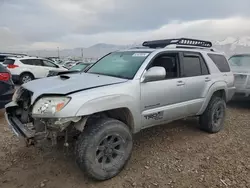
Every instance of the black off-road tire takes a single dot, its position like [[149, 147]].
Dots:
[[91, 143], [207, 118], [25, 75]]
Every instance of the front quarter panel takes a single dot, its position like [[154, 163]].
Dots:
[[87, 102]]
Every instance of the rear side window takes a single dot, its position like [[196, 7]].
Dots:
[[27, 61], [194, 65], [9, 62], [36, 62], [220, 61]]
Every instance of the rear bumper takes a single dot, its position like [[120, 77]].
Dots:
[[242, 92]]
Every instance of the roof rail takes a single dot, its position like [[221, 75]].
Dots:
[[180, 41]]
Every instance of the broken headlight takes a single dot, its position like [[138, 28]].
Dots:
[[50, 105]]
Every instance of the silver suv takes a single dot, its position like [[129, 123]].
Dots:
[[122, 93], [240, 65]]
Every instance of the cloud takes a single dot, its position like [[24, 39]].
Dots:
[[45, 24]]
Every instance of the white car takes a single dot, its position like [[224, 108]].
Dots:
[[25, 69]]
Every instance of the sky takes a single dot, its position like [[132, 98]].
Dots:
[[48, 24]]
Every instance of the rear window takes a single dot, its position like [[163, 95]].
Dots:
[[9, 62], [239, 61], [220, 61]]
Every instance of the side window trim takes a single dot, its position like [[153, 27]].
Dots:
[[166, 53]]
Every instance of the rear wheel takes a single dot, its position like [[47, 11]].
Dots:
[[212, 120], [104, 148], [26, 77]]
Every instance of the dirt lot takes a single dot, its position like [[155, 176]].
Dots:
[[175, 155]]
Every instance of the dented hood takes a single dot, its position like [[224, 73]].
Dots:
[[69, 83]]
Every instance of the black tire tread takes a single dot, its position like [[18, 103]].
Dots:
[[83, 141], [205, 119]]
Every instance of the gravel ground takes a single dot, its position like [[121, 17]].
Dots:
[[174, 155]]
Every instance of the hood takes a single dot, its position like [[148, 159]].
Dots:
[[69, 83]]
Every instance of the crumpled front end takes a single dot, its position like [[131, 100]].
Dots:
[[34, 130]]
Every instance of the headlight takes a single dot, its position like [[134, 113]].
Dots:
[[50, 105]]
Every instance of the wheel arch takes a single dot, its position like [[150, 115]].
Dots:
[[122, 114], [27, 72], [218, 89]]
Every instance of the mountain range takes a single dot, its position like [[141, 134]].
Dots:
[[230, 45]]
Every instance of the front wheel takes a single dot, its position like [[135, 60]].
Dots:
[[212, 120], [104, 148]]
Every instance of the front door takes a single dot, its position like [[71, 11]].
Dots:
[[160, 100]]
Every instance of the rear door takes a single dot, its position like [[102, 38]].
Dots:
[[196, 80], [35, 66]]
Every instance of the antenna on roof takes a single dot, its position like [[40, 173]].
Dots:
[[180, 41]]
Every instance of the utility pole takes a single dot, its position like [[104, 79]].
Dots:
[[82, 53], [58, 53]]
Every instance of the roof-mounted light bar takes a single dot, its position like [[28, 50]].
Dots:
[[180, 41]]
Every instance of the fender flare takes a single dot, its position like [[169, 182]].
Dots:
[[217, 86]]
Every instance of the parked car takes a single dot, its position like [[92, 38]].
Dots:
[[121, 94], [25, 69], [3, 56], [7, 86], [240, 65], [69, 64], [80, 67]]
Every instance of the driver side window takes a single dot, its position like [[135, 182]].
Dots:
[[170, 62]]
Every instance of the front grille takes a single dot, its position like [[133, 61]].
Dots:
[[240, 79]]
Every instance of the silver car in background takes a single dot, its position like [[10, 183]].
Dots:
[[240, 66]]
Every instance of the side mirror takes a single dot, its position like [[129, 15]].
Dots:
[[154, 74]]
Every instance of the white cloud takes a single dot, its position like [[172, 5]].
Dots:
[[46, 24]]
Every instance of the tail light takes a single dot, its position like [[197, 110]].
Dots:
[[12, 66], [4, 76]]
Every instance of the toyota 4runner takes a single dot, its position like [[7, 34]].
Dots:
[[122, 93]]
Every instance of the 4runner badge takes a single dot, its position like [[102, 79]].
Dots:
[[155, 116]]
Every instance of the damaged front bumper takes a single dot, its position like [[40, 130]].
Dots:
[[39, 129]]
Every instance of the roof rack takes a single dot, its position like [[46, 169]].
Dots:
[[181, 41]]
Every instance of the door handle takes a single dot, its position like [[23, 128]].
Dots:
[[207, 79], [180, 83]]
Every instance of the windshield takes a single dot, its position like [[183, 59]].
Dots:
[[240, 61], [120, 64], [79, 67]]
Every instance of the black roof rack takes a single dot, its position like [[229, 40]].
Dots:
[[180, 41]]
